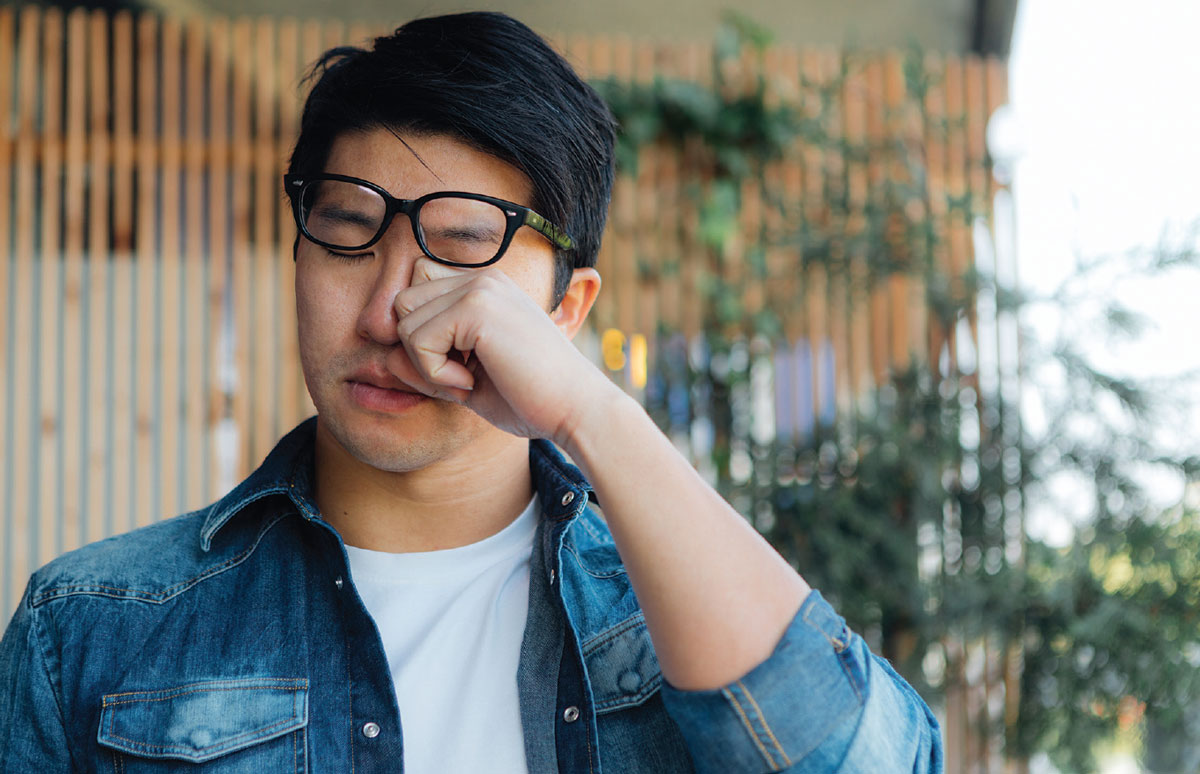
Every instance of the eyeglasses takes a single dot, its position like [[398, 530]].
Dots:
[[451, 227]]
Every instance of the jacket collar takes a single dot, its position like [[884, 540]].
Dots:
[[288, 471]]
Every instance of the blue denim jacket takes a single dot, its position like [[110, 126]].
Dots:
[[233, 638]]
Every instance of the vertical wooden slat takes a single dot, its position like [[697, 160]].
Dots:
[[957, 232], [898, 284], [219, 197], [241, 180], [625, 207], [197, 330], [173, 337], [934, 111], [975, 120], [48, 341], [75, 392], [957, 723], [696, 58], [835, 374], [816, 215], [24, 487], [99, 364], [146, 464], [121, 453], [264, 334], [291, 382], [855, 98], [647, 251], [785, 258], [10, 585], [916, 212], [669, 289], [876, 196]]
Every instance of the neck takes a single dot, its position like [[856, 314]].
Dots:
[[453, 502]]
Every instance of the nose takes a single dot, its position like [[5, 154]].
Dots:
[[395, 254]]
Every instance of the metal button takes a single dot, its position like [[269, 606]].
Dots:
[[568, 498], [338, 582], [370, 730], [571, 714], [552, 576]]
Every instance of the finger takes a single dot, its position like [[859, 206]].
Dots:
[[430, 344], [426, 269], [414, 297], [411, 321], [400, 365]]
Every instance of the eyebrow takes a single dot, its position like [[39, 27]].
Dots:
[[331, 212], [465, 233]]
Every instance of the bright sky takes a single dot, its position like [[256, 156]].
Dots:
[[1105, 121]]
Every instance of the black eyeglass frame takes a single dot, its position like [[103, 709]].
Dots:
[[515, 216]]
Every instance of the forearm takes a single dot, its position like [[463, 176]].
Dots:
[[716, 596]]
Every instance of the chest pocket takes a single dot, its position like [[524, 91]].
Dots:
[[244, 726]]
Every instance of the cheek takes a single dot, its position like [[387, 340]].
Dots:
[[321, 313], [535, 276]]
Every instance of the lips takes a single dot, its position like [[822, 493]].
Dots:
[[381, 378], [379, 391]]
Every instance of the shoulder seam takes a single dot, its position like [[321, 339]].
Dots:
[[141, 595]]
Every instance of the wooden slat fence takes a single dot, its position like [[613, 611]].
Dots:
[[147, 336]]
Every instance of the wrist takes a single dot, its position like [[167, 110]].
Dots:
[[599, 411]]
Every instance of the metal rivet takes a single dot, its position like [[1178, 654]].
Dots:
[[571, 714], [338, 582], [552, 576], [568, 498], [370, 730]]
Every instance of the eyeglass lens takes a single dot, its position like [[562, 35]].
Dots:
[[348, 216]]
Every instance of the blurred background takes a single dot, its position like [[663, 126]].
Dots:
[[912, 283]]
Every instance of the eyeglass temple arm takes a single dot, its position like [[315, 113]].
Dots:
[[549, 230]]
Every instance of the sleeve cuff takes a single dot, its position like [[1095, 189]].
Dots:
[[813, 685]]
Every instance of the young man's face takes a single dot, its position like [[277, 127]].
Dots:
[[347, 323]]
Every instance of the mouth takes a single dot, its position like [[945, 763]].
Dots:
[[379, 391]]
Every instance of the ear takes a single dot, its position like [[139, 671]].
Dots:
[[581, 294]]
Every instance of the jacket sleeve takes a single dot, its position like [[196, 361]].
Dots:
[[32, 735], [821, 703]]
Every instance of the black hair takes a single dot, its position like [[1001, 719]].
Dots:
[[487, 80]]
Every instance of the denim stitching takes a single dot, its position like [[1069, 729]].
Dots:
[[749, 726], [167, 593], [44, 650], [602, 576], [349, 693], [252, 682], [172, 694], [222, 743], [766, 727], [613, 632], [591, 530], [207, 533]]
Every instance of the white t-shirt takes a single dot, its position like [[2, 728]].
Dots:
[[452, 623]]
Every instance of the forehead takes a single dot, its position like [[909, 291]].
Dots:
[[412, 165]]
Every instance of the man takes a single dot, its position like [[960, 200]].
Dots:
[[409, 583]]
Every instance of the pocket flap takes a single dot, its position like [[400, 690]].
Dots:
[[201, 721], [622, 668]]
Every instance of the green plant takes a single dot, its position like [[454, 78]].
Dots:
[[909, 510]]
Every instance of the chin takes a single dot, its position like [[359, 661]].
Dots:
[[401, 444]]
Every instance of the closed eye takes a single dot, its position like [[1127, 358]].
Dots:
[[472, 234], [339, 215]]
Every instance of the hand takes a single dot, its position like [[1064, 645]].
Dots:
[[520, 371]]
